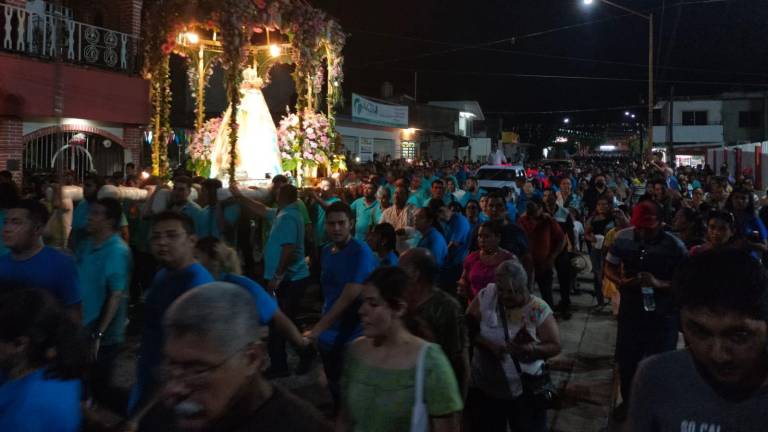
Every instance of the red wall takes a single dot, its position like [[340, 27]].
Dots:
[[27, 90]]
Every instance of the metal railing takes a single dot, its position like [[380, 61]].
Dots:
[[57, 151], [48, 36]]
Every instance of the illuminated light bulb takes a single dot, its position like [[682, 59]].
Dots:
[[275, 50], [193, 38]]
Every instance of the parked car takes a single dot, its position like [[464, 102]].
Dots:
[[495, 177]]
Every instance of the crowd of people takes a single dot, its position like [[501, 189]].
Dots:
[[438, 302]]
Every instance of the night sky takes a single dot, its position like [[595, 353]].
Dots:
[[711, 41]]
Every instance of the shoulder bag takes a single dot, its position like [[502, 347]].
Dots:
[[419, 414], [538, 388]]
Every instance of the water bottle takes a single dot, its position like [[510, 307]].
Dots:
[[649, 302]]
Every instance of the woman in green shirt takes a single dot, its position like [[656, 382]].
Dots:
[[379, 378]]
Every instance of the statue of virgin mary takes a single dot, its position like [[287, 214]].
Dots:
[[258, 156]]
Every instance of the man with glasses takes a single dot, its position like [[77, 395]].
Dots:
[[173, 244], [211, 374]]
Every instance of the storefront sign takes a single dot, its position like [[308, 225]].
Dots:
[[369, 111]]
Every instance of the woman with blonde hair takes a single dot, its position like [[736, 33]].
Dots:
[[224, 265]]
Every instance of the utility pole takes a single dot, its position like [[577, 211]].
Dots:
[[416, 86], [670, 126]]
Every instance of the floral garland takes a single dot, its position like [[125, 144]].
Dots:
[[305, 140], [193, 78], [160, 96], [200, 148], [317, 40]]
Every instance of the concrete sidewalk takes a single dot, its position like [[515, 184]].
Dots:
[[584, 371]]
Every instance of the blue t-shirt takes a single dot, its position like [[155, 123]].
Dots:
[[366, 216], [435, 242], [166, 287], [35, 403], [416, 199], [457, 231], [511, 211], [352, 264], [320, 235], [464, 199], [208, 223], [79, 223], [265, 303], [49, 270], [103, 270], [390, 260], [287, 229]]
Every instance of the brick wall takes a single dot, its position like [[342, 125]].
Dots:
[[133, 137], [11, 144], [130, 16]]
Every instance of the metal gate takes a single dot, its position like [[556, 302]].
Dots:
[[80, 152]]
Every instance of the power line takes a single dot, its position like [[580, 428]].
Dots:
[[569, 58], [513, 39], [462, 47], [578, 77], [578, 110]]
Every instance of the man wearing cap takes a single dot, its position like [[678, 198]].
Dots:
[[641, 262]]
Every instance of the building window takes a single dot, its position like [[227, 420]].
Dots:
[[408, 150], [750, 119], [694, 118]]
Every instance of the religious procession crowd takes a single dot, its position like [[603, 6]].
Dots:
[[438, 311]]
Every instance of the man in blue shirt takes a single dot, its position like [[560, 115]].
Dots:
[[438, 194], [173, 244], [416, 198], [79, 232], [346, 263], [382, 241], [285, 270], [471, 192], [217, 218], [424, 221], [456, 231], [323, 200], [80, 215], [179, 202], [367, 211], [34, 265], [104, 265]]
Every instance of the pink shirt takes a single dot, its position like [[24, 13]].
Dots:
[[480, 274]]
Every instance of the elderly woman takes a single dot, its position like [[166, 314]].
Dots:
[[508, 326], [379, 382], [42, 359]]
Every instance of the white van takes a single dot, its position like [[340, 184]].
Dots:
[[495, 177]]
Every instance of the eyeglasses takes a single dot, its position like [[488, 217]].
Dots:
[[193, 376]]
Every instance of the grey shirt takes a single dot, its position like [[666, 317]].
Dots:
[[669, 395]]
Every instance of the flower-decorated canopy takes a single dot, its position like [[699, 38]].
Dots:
[[315, 39]]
